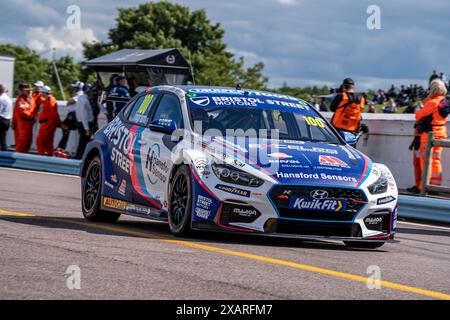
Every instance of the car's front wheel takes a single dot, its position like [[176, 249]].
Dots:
[[180, 202], [91, 194], [363, 245]]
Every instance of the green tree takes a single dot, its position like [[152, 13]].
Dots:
[[166, 25], [29, 66]]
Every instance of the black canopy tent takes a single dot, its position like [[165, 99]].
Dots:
[[147, 67]]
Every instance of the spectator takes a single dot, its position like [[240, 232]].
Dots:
[[48, 122], [85, 121], [380, 97], [24, 117], [393, 92], [323, 106], [120, 91], [5, 116], [37, 96], [70, 122], [433, 76], [110, 104], [347, 107], [133, 86], [94, 98], [442, 76], [371, 108], [433, 118], [391, 106]]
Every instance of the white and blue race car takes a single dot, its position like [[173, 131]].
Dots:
[[236, 160]]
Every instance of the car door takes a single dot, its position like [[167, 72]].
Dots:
[[127, 127], [155, 156]]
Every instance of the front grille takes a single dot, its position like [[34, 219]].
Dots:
[[324, 229], [355, 201]]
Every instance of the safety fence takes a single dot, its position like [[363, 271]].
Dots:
[[39, 163], [426, 174], [414, 207]]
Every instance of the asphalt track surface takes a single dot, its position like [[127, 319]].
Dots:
[[42, 233]]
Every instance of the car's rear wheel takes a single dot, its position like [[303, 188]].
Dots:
[[91, 194], [180, 202], [363, 245]]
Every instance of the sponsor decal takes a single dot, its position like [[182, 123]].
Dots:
[[279, 155], [122, 141], [201, 101], [114, 203], [314, 176], [233, 190], [202, 167], [170, 59], [204, 202], [375, 222], [294, 146], [385, 200], [121, 160], [285, 162], [231, 97], [156, 169], [319, 194], [202, 208], [123, 188], [314, 122], [109, 185], [245, 213], [202, 213], [332, 161], [317, 204], [140, 210]]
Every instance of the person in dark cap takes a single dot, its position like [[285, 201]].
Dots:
[[24, 117], [119, 91], [347, 107]]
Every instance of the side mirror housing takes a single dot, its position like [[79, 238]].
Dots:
[[348, 137], [166, 126]]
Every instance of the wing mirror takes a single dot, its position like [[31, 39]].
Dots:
[[348, 137], [166, 126]]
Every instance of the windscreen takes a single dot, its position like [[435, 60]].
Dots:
[[258, 114]]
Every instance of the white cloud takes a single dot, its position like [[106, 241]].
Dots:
[[64, 40], [288, 2]]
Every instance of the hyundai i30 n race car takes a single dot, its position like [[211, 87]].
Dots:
[[244, 161]]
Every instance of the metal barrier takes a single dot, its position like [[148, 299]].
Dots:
[[39, 163], [431, 209], [426, 166]]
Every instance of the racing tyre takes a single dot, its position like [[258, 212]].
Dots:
[[363, 245], [91, 194], [180, 203]]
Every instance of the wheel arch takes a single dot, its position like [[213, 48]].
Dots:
[[87, 160]]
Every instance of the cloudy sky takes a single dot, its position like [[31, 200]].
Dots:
[[301, 42]]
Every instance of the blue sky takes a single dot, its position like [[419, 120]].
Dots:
[[301, 42]]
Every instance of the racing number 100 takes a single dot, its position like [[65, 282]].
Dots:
[[315, 122]]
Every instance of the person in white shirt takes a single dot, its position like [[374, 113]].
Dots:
[[85, 120], [6, 112]]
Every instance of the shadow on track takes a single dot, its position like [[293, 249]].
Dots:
[[425, 232], [161, 229]]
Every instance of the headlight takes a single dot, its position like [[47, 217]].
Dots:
[[230, 174], [379, 186]]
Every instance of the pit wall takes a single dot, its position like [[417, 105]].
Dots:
[[388, 141]]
